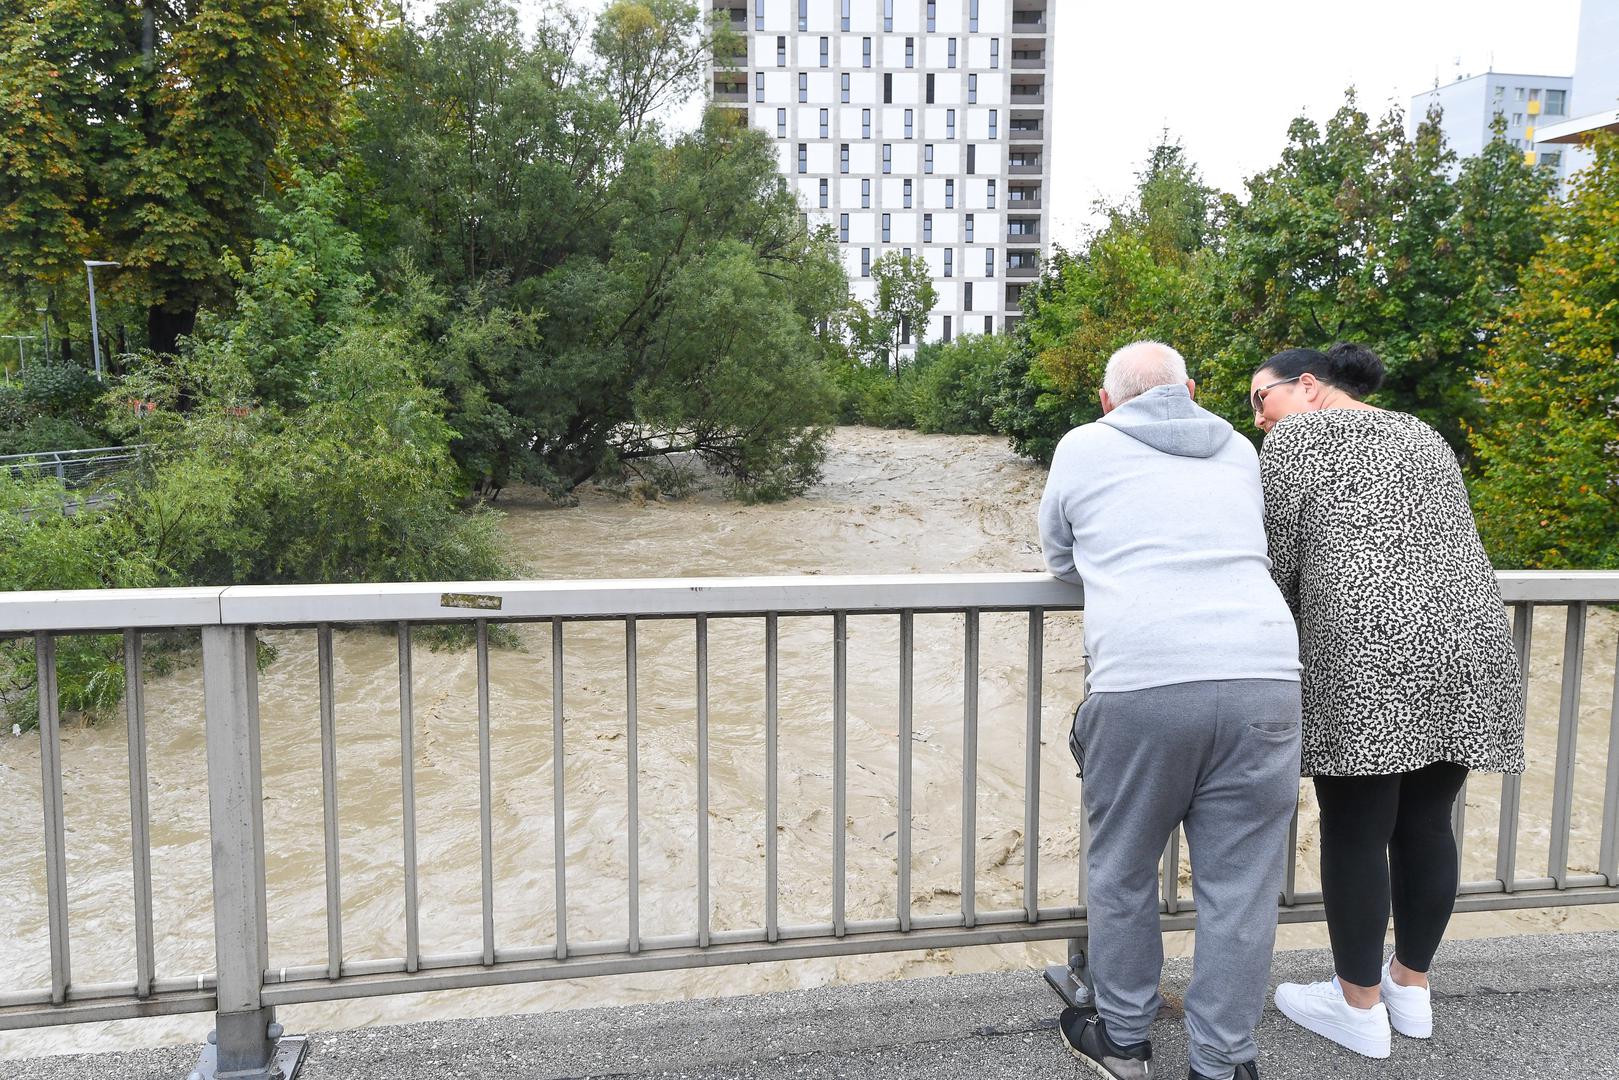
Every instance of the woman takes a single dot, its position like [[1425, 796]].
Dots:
[[1409, 682]]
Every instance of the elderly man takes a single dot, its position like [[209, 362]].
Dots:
[[1192, 714]]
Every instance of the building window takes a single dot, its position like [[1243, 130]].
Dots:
[[994, 123], [1518, 93], [758, 86], [888, 15], [989, 324], [907, 199], [888, 158], [803, 87], [1556, 102], [846, 14], [845, 90], [843, 159], [826, 123], [927, 228], [781, 123], [865, 123], [947, 318], [972, 17], [1552, 161], [933, 15], [910, 52], [1517, 119], [927, 158], [758, 14], [865, 51], [904, 330], [969, 227], [888, 88], [991, 202], [950, 123], [888, 227], [843, 228], [910, 118], [825, 184], [930, 88], [803, 157], [994, 52], [1500, 93], [803, 14], [972, 89], [950, 53], [949, 194], [865, 262], [865, 193], [781, 50], [826, 52], [989, 262], [972, 158], [967, 296]]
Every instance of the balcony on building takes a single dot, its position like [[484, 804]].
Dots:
[[1028, 16], [728, 89], [738, 15], [1031, 56], [1026, 127], [1023, 263], [1028, 90], [1025, 163], [1023, 230], [1023, 197]]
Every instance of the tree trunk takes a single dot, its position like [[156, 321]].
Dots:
[[165, 327]]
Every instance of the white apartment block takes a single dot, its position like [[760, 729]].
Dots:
[[919, 126], [1470, 105]]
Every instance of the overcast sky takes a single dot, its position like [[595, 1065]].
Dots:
[[1225, 77]]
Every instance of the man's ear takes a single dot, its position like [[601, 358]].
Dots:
[[1107, 402], [1191, 388]]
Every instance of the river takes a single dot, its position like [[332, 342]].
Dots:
[[890, 502]]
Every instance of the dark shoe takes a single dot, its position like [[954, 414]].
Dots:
[[1085, 1032], [1245, 1071]]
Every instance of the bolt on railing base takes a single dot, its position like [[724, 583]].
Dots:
[[286, 1054], [1072, 980]]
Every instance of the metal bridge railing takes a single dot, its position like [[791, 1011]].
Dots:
[[74, 468], [244, 990]]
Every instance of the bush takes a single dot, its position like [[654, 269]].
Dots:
[[872, 395], [954, 384]]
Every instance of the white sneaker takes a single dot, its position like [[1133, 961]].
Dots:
[[1410, 1007], [1321, 1008]]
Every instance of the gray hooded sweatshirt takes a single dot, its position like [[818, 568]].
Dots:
[[1156, 508]]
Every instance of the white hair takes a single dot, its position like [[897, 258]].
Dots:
[[1140, 366]]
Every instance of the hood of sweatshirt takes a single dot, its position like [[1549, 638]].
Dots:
[[1168, 420]]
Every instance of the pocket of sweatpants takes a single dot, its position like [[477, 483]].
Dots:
[[1076, 747]]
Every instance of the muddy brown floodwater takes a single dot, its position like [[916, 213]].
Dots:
[[891, 503]]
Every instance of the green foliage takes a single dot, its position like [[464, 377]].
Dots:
[[954, 384], [1547, 494]]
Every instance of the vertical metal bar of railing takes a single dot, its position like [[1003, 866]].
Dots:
[[702, 782], [1031, 768], [1506, 840], [559, 821], [140, 813], [486, 825], [1568, 728], [772, 794], [50, 768], [407, 800], [244, 1036], [328, 788], [907, 678], [1608, 860], [632, 778], [969, 771], [840, 768], [1171, 873]]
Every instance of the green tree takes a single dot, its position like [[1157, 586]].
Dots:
[[955, 384], [904, 299], [1547, 494]]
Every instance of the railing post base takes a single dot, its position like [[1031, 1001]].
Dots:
[[250, 1046], [1072, 980]]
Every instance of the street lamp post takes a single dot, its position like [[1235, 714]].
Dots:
[[95, 330], [45, 328], [22, 362]]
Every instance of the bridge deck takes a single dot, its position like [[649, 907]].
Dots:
[[1524, 1007]]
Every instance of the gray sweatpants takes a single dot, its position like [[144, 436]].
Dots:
[[1222, 757]]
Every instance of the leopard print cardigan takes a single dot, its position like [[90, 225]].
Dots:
[[1407, 653]]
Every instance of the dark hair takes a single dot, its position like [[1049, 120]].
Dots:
[[1354, 369]]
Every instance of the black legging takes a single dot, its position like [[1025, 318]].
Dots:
[[1388, 838]]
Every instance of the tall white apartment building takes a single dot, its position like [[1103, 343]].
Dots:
[[919, 126], [1471, 105]]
